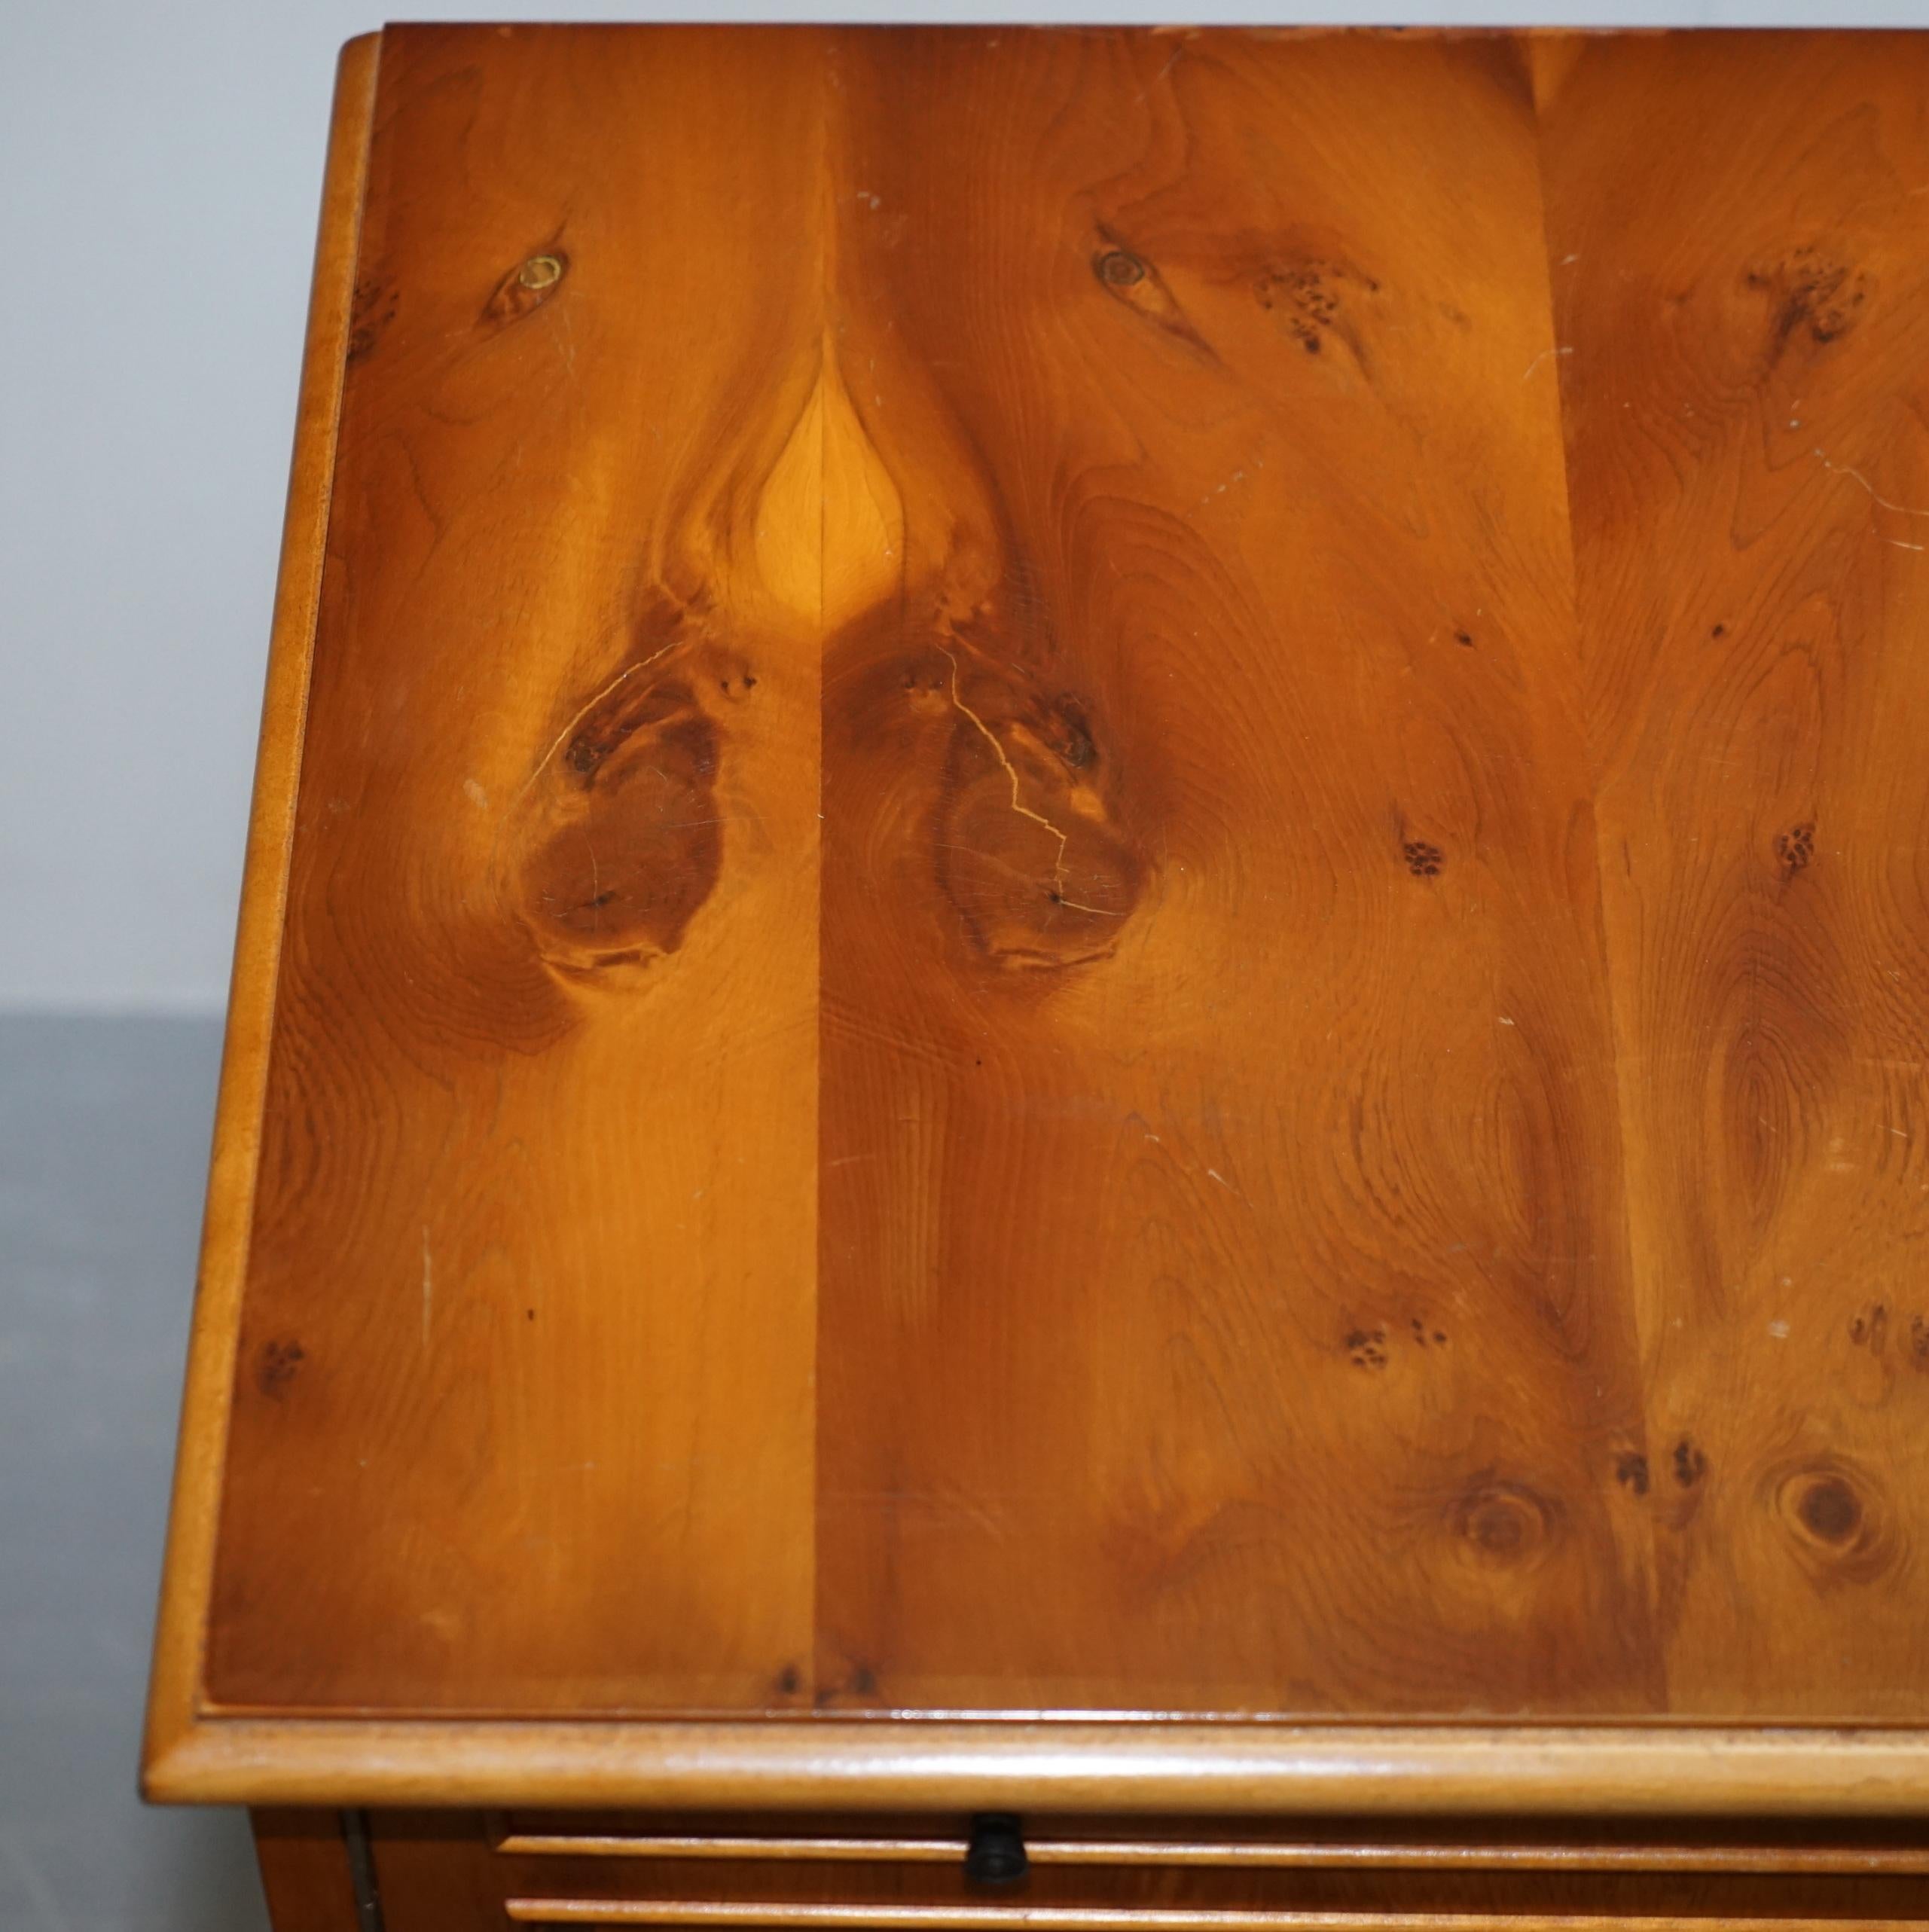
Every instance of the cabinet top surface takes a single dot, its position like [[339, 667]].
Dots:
[[1098, 887]]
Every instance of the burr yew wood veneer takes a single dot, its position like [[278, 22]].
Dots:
[[1085, 974]]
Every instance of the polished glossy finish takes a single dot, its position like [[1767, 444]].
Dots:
[[1087, 889]]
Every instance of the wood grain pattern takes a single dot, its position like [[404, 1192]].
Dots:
[[1103, 905], [560, 1137], [1746, 311]]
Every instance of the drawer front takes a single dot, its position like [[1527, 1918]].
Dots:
[[1244, 1844], [439, 1871]]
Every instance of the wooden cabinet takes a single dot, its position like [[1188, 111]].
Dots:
[[1084, 975]]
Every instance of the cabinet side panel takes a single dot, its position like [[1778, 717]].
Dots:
[[1223, 1303], [306, 1875]]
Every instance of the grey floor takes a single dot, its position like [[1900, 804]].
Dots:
[[103, 1148]]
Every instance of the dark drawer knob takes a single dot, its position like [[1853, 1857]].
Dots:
[[996, 1853]]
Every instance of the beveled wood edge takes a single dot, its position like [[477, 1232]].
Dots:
[[1048, 1765], [187, 1574]]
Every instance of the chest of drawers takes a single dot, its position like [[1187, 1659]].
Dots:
[[1077, 1067]]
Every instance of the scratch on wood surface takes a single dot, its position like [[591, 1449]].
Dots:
[[1018, 805], [1171, 61], [1238, 476], [1843, 469], [565, 339], [428, 1286], [569, 731]]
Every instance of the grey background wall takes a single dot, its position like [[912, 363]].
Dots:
[[159, 166]]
